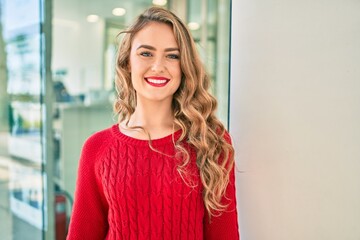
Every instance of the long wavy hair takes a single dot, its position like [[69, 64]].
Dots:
[[193, 107]]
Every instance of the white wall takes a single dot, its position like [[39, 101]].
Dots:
[[295, 118]]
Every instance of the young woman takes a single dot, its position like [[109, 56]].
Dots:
[[166, 170]]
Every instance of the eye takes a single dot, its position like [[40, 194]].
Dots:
[[146, 54], [173, 56]]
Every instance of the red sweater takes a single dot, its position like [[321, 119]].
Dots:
[[125, 190]]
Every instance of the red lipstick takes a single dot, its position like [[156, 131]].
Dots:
[[157, 81]]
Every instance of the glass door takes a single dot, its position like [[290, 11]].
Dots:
[[24, 145]]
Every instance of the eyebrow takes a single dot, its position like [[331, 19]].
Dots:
[[153, 48]]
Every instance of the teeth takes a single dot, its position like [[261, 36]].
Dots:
[[156, 81]]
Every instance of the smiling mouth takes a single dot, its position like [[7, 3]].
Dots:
[[157, 81]]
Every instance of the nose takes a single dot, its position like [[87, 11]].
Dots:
[[158, 65]]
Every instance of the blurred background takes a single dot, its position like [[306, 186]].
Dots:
[[56, 89], [286, 75]]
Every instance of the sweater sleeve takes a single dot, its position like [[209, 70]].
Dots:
[[89, 214], [224, 226]]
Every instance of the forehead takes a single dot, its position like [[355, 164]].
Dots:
[[158, 35]]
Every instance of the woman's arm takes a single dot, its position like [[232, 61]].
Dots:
[[225, 226], [89, 214]]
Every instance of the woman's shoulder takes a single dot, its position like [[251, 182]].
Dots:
[[224, 135], [227, 137], [98, 140]]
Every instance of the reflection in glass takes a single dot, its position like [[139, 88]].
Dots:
[[21, 160], [83, 55], [209, 22]]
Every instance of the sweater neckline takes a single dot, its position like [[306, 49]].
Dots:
[[155, 142]]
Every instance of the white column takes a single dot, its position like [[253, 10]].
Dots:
[[295, 118]]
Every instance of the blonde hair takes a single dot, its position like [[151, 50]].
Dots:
[[193, 107]]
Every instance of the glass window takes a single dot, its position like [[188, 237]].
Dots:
[[209, 21], [84, 42], [22, 183]]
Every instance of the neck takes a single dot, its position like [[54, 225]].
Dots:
[[156, 118]]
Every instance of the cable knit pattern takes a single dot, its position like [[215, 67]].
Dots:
[[125, 190]]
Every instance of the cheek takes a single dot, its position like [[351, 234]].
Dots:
[[139, 66], [176, 70], [178, 80], [134, 62]]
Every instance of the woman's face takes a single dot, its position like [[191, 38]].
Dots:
[[155, 63]]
